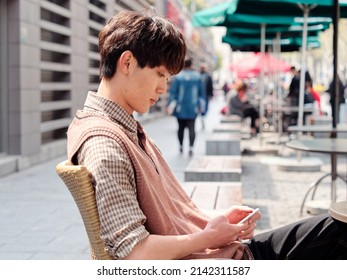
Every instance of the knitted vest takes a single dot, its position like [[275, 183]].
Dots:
[[167, 207]]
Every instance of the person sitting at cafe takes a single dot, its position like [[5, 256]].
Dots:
[[239, 105], [315, 97]]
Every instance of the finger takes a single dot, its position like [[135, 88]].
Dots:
[[247, 233], [248, 236], [256, 217]]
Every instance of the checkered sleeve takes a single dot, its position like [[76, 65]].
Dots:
[[121, 219], [247, 254]]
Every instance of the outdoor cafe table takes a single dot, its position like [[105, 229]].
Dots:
[[291, 109], [332, 146], [312, 129], [280, 111], [318, 128]]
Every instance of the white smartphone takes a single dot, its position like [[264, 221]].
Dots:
[[245, 219]]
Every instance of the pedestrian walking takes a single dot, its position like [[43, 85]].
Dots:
[[208, 83], [188, 93]]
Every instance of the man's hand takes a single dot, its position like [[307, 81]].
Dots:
[[236, 213], [219, 232]]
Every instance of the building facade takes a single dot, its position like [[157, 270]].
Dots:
[[49, 60]]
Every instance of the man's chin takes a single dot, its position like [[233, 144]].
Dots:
[[141, 111]]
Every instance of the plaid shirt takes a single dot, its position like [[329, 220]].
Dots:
[[121, 218]]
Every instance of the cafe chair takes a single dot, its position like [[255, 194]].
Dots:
[[77, 180]]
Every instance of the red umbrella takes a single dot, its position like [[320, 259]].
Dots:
[[251, 65]]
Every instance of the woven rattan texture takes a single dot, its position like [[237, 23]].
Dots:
[[77, 180]]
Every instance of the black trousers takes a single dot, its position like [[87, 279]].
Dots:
[[252, 113], [186, 123], [316, 238]]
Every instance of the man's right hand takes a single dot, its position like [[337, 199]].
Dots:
[[219, 232]]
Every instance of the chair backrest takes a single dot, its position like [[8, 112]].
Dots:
[[77, 180]]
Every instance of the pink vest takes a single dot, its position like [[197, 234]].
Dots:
[[167, 207]]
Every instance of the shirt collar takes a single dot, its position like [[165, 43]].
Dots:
[[103, 105]]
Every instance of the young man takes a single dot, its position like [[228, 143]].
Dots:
[[144, 212]]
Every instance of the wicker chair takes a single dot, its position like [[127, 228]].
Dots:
[[77, 180]]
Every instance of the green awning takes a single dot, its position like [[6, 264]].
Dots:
[[319, 8], [253, 29], [270, 12], [294, 42], [240, 33]]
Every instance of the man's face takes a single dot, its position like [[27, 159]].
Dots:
[[145, 86], [294, 72]]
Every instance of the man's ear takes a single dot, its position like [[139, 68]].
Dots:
[[125, 61]]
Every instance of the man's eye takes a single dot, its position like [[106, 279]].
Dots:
[[163, 76]]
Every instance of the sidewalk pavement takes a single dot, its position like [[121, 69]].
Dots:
[[39, 219]]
